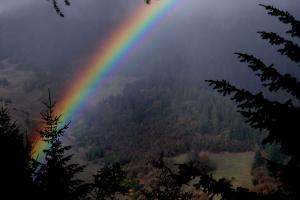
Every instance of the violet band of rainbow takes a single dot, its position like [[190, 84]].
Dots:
[[110, 55]]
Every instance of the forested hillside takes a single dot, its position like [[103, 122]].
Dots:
[[166, 111]]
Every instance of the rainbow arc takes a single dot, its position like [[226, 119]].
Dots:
[[109, 56]]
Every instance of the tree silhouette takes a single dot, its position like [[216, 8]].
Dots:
[[56, 176], [109, 181], [279, 119], [169, 185], [16, 164]]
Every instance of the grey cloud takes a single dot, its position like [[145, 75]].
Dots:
[[32, 35]]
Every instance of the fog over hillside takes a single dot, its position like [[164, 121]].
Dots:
[[34, 37], [198, 36]]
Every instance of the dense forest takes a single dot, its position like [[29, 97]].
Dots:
[[164, 112]]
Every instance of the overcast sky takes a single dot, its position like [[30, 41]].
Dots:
[[202, 33], [40, 50]]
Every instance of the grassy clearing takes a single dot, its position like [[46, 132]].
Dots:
[[236, 166]]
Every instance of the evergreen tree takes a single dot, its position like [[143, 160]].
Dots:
[[279, 119], [109, 181], [169, 184], [16, 165], [56, 176]]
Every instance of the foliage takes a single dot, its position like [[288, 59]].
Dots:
[[56, 176], [95, 153], [278, 118], [169, 185], [16, 164], [109, 181], [174, 116]]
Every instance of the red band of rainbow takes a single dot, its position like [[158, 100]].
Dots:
[[118, 45]]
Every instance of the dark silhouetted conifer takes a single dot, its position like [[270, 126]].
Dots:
[[279, 119], [109, 181], [56, 176], [16, 165]]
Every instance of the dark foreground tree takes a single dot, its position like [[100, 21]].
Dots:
[[56, 176], [173, 183], [280, 119], [111, 180], [16, 165], [169, 184]]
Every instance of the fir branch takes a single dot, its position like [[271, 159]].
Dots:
[[263, 114], [286, 18], [290, 49], [270, 77]]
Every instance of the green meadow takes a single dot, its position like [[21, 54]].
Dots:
[[234, 166]]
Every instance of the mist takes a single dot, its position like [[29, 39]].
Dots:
[[197, 39], [34, 37]]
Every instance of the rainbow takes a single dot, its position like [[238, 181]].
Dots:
[[117, 47]]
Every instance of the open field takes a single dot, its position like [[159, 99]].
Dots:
[[235, 166]]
